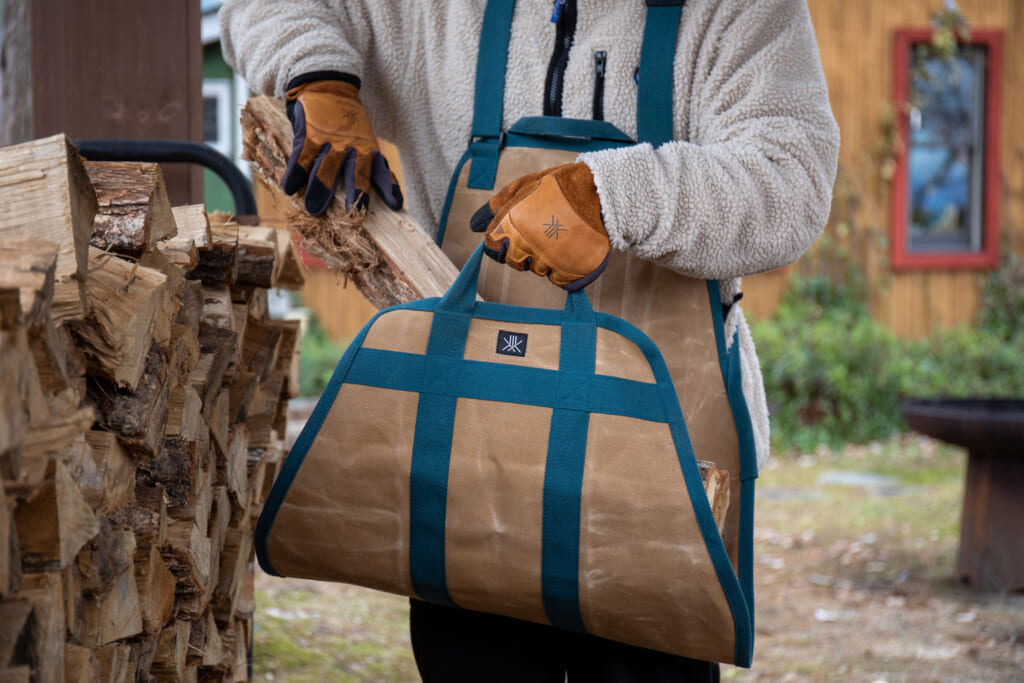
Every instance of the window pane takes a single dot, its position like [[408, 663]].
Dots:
[[210, 132], [945, 152], [939, 198]]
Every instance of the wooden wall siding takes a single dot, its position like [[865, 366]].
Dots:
[[856, 42], [342, 310]]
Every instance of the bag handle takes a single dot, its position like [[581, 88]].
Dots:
[[461, 296]]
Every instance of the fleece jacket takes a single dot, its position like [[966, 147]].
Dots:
[[744, 187]]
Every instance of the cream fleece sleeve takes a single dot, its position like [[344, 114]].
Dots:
[[751, 188], [270, 42]]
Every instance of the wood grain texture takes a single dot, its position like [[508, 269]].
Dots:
[[385, 253], [134, 212]]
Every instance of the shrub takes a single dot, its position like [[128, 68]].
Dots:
[[318, 357], [835, 376]]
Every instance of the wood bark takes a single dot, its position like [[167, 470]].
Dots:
[[134, 212], [139, 417], [387, 254]]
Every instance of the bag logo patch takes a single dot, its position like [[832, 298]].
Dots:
[[511, 343]]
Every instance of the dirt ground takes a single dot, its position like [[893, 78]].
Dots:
[[855, 581]]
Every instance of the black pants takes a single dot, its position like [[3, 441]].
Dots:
[[455, 646]]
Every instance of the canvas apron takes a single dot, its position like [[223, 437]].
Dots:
[[675, 311]]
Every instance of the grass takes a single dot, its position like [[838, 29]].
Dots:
[[309, 633], [880, 561]]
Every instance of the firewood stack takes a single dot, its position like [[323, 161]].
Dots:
[[143, 406]]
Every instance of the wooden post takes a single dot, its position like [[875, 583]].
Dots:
[[113, 69]]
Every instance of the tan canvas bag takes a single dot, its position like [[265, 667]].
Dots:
[[520, 461]]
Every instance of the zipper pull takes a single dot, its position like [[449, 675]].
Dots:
[[600, 60], [556, 13]]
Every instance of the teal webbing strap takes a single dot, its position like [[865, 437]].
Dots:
[[431, 456], [560, 536], [563, 475], [485, 135], [657, 57]]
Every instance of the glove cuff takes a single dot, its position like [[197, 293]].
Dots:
[[323, 76]]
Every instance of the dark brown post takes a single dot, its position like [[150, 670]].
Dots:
[[105, 69]]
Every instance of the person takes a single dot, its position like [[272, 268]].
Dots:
[[740, 184]]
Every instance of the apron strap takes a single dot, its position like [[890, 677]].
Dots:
[[654, 94], [486, 134], [657, 57]]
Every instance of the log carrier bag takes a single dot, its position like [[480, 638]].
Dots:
[[528, 456]]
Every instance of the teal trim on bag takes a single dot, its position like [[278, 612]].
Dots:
[[431, 458], [654, 102], [483, 381], [428, 499], [563, 471], [732, 376], [452, 184], [734, 593], [748, 475], [298, 451], [560, 527]]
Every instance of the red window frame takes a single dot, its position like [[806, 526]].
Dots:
[[988, 256]]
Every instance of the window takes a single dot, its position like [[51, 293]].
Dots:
[[217, 114], [945, 199]]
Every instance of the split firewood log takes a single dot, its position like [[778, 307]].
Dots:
[[134, 212], [385, 253]]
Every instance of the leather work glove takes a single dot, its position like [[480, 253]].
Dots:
[[548, 222], [334, 142]]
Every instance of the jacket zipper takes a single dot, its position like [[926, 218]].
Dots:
[[600, 63], [564, 17]]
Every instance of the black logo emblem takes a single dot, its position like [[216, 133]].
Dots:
[[511, 343], [553, 228]]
